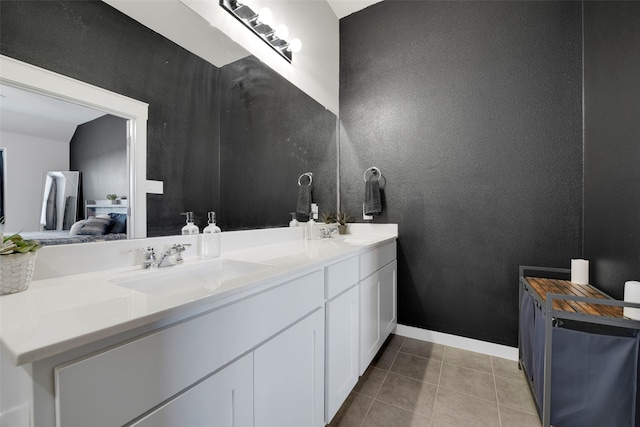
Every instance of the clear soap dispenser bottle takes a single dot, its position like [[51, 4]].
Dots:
[[294, 222], [190, 228], [211, 238]]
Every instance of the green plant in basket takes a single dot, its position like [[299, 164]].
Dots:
[[15, 244], [112, 197]]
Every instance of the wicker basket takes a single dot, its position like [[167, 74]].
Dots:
[[16, 271]]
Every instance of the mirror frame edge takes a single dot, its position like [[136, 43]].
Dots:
[[30, 77]]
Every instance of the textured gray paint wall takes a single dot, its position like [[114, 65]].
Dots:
[[270, 133], [472, 110], [612, 143]]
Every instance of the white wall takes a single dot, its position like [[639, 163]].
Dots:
[[28, 158], [216, 36]]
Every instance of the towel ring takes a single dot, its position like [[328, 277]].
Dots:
[[309, 174], [374, 171]]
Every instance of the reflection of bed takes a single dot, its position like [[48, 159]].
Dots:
[[62, 237], [93, 229]]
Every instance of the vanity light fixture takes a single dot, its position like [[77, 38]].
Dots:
[[263, 25]]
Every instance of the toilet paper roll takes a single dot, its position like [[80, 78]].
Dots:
[[580, 271], [632, 294]]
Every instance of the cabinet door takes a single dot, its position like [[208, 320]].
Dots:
[[342, 341], [377, 311], [388, 296], [223, 400], [369, 320], [289, 376]]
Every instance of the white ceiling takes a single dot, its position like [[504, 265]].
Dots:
[[343, 8], [28, 113]]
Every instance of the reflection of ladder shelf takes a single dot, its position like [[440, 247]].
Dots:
[[104, 207]]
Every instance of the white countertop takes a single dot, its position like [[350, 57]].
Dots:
[[62, 313]]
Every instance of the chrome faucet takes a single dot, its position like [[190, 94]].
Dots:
[[325, 233], [171, 256]]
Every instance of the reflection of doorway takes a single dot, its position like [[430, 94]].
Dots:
[[21, 75]]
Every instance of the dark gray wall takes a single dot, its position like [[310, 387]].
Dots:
[[612, 143], [92, 42], [271, 133], [472, 110], [98, 149]]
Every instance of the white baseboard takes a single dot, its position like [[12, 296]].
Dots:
[[456, 341]]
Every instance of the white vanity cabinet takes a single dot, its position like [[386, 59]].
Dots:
[[161, 375], [289, 376], [225, 399], [283, 348], [378, 277], [342, 332]]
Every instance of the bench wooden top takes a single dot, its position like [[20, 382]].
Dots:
[[565, 287]]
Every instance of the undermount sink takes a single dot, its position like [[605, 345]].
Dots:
[[358, 240], [207, 276]]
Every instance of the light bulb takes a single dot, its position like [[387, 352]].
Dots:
[[295, 45], [282, 32], [265, 16]]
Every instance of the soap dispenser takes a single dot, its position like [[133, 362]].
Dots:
[[311, 230], [190, 228], [211, 238], [294, 222]]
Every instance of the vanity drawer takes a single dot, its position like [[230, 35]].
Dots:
[[377, 258], [118, 385], [340, 276]]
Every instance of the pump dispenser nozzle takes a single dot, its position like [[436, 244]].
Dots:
[[190, 228]]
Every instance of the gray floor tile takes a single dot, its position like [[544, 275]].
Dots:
[[385, 358], [383, 415], [422, 348], [412, 383], [352, 411], [468, 359], [370, 382], [441, 423], [462, 410], [395, 341], [468, 381], [409, 394], [515, 394], [420, 368], [507, 368], [512, 418]]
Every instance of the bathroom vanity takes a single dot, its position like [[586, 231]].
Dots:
[[274, 333]]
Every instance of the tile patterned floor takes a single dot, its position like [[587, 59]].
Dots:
[[414, 383]]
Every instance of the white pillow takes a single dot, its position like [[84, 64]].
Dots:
[[76, 227]]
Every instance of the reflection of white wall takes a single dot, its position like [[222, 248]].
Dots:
[[28, 160]]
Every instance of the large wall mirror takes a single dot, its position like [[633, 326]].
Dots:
[[232, 138]]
